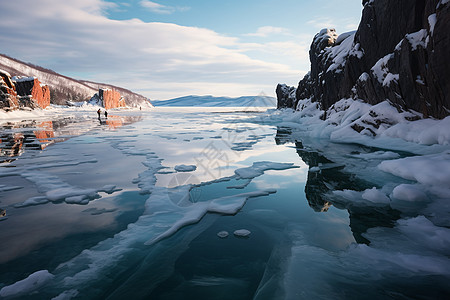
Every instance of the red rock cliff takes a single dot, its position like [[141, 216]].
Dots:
[[111, 98], [8, 94], [31, 87]]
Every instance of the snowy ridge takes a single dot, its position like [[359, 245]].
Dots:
[[52, 79], [66, 87]]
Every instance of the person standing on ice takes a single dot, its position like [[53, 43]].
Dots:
[[98, 112], [106, 114]]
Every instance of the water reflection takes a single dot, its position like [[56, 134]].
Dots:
[[325, 176], [16, 137]]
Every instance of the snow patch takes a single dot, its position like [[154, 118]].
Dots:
[[340, 52], [432, 21], [380, 69], [390, 78], [417, 39]]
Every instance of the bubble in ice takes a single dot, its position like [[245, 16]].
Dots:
[[242, 233], [222, 234]]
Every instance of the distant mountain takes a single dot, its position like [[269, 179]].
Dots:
[[63, 88], [210, 101]]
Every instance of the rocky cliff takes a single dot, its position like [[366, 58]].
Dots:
[[399, 53], [108, 99], [8, 94], [63, 88], [31, 92]]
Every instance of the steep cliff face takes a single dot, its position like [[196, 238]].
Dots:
[[31, 90], [111, 98], [399, 53], [108, 99], [8, 94]]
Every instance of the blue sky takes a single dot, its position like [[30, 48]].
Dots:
[[166, 48]]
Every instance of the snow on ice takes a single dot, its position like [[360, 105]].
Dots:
[[27, 285]]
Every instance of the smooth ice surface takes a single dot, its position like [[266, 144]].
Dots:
[[331, 213]]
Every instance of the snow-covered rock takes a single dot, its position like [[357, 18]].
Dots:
[[396, 54]]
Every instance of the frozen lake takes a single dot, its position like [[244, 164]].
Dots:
[[212, 203]]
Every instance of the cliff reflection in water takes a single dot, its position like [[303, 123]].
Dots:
[[325, 176], [17, 137]]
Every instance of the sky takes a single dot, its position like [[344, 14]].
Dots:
[[164, 49]]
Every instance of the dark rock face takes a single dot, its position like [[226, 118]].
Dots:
[[286, 96], [8, 94], [399, 53]]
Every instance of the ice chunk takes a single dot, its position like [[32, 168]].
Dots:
[[242, 233], [409, 192], [431, 169], [71, 194], [258, 168], [222, 234], [376, 196], [109, 189], [185, 168], [4, 188], [32, 201], [28, 285]]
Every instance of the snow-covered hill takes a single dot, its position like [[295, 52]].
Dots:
[[63, 88], [210, 101]]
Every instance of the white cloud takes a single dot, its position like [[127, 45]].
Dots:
[[265, 31], [159, 8], [321, 23], [160, 59], [341, 26]]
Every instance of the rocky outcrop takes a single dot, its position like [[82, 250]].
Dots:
[[399, 53], [32, 92], [286, 96], [8, 94], [108, 99]]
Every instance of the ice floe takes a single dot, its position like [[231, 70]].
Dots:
[[258, 168], [185, 168], [27, 285]]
